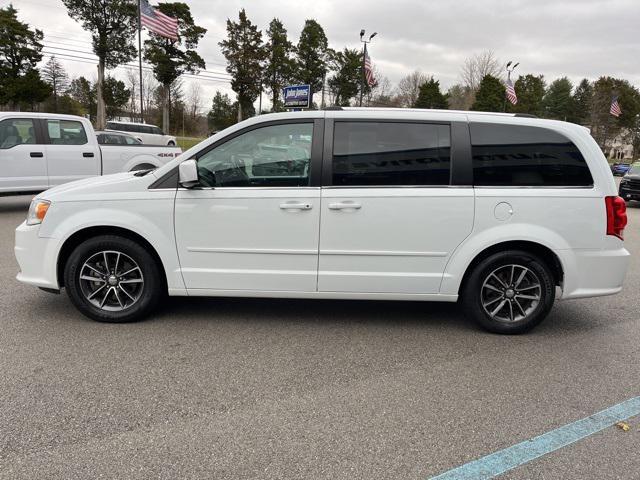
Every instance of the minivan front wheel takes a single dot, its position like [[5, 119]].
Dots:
[[509, 292], [112, 279]]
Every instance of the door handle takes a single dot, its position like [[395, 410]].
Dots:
[[36, 154], [87, 154], [345, 206], [296, 206]]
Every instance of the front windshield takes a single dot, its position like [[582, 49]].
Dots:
[[634, 169]]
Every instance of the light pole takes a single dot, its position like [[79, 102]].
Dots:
[[510, 67], [364, 57]]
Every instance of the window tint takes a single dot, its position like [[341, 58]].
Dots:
[[156, 131], [144, 129], [274, 156], [16, 131], [514, 155], [66, 132], [379, 153]]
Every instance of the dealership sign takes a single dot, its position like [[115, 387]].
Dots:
[[297, 96]]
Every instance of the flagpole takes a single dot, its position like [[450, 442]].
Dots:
[[140, 62], [364, 58]]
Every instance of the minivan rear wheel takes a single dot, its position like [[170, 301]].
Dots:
[[509, 292], [113, 279]]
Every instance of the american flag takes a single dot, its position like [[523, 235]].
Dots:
[[615, 107], [368, 70], [158, 22], [511, 92]]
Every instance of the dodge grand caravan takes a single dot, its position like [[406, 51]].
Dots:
[[500, 212]]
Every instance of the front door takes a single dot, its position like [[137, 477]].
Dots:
[[390, 219], [253, 223], [23, 163]]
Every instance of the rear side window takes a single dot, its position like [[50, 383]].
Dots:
[[522, 156], [66, 132], [391, 153]]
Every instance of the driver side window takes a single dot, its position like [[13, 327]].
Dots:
[[273, 156]]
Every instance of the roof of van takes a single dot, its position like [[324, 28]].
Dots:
[[132, 123], [429, 110]]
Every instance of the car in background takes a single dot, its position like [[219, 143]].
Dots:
[[630, 183], [147, 134], [620, 168], [115, 138], [42, 150]]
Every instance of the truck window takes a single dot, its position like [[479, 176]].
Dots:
[[16, 131], [66, 132], [391, 153], [523, 156]]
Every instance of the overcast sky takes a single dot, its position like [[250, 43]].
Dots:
[[576, 38]]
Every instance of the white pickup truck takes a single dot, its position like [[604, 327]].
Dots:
[[41, 150]]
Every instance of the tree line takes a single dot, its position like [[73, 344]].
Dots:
[[258, 63]]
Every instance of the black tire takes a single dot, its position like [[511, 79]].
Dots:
[[145, 297], [481, 281], [171, 144]]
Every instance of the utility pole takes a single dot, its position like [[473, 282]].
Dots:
[[364, 59], [140, 62]]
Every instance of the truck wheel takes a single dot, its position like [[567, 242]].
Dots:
[[509, 292], [113, 279]]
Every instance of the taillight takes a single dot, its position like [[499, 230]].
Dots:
[[616, 216]]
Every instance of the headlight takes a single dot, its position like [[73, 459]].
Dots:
[[37, 211]]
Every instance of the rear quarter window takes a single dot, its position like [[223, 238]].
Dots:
[[524, 156]]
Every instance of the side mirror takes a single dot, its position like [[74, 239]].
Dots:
[[188, 174]]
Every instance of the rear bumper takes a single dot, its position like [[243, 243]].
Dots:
[[594, 273], [36, 257]]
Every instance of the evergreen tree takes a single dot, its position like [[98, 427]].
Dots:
[[279, 67], [346, 83], [558, 101], [222, 113], [20, 52], [113, 25], [312, 56], [530, 90], [116, 96], [490, 96], [430, 96], [170, 58], [582, 99], [55, 76], [80, 90], [245, 54], [604, 126]]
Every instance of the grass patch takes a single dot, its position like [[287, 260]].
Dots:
[[185, 143]]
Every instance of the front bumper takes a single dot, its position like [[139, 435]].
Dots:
[[36, 257], [629, 193]]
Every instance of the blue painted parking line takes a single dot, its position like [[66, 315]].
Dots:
[[521, 453]]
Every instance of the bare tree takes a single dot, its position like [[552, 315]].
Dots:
[[55, 76], [194, 99], [150, 84], [476, 67], [133, 80], [460, 97], [409, 87]]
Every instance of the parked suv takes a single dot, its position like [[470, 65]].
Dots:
[[499, 212], [147, 134], [630, 183]]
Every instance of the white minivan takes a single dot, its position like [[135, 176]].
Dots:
[[147, 134], [499, 211]]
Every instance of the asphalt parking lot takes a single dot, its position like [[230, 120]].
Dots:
[[281, 389]]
